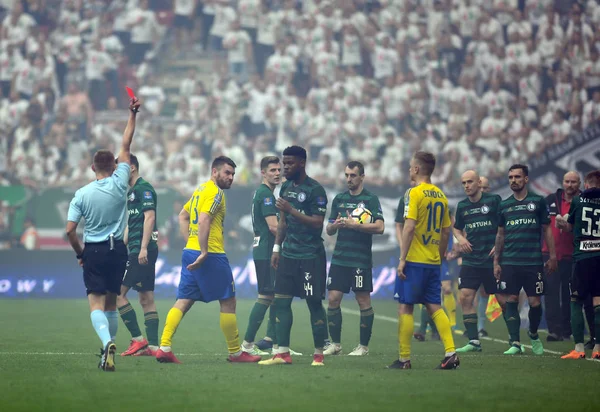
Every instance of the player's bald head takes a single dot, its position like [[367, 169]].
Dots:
[[470, 175], [484, 183], [571, 183]]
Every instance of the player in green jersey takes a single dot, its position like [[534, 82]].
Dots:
[[141, 238], [264, 225], [518, 262], [475, 228], [352, 262], [300, 263], [584, 221]]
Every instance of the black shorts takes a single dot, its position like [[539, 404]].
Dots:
[[530, 278], [265, 277], [344, 278], [103, 268], [585, 278], [141, 277], [472, 277], [304, 278], [183, 21]]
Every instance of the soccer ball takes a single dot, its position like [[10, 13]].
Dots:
[[362, 215]]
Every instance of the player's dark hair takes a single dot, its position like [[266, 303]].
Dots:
[[295, 151], [593, 179], [426, 161], [133, 160], [222, 160], [524, 168], [268, 160], [104, 161], [353, 164]]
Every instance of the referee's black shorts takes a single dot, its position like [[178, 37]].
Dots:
[[103, 268]]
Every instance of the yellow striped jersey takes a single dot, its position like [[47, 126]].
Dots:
[[209, 199]]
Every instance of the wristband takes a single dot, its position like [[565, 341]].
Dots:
[[276, 248], [79, 256]]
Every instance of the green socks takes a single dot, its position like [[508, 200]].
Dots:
[[597, 323], [318, 322], [151, 323], [334, 317], [284, 320], [367, 317], [577, 322], [535, 317], [471, 326], [256, 318], [271, 329], [130, 320], [513, 321]]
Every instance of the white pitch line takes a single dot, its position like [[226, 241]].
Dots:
[[395, 320]]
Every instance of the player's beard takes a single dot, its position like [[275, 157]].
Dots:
[[516, 188]]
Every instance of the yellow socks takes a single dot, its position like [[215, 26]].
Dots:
[[228, 323], [172, 322], [450, 306], [406, 328], [443, 326]]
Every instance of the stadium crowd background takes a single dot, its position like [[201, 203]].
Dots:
[[482, 84]]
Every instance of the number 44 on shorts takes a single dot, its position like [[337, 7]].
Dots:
[[308, 289]]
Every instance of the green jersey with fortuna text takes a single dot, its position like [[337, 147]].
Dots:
[[140, 198], [263, 206], [584, 215], [522, 221], [353, 248], [479, 221], [309, 198]]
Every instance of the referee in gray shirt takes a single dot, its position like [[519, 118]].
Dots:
[[102, 203]]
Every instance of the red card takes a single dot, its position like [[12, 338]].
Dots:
[[130, 92]]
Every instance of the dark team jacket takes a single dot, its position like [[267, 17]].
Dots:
[[563, 241]]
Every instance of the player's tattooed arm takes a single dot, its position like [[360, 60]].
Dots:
[[552, 263], [498, 247]]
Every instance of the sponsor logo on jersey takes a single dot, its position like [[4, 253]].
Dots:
[[589, 245], [133, 212], [147, 195], [131, 197], [307, 276], [475, 225], [531, 206], [301, 197], [361, 205], [485, 209], [321, 201], [522, 221], [268, 201]]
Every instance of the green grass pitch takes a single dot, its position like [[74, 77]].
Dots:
[[48, 347]]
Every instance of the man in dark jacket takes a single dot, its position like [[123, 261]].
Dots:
[[557, 299]]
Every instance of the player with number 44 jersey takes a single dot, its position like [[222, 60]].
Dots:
[[352, 262]]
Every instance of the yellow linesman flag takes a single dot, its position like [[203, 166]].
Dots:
[[493, 310]]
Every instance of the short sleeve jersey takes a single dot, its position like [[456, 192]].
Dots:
[[584, 215], [207, 198], [479, 221], [522, 221], [141, 198], [428, 206], [309, 197], [353, 248], [263, 206]]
